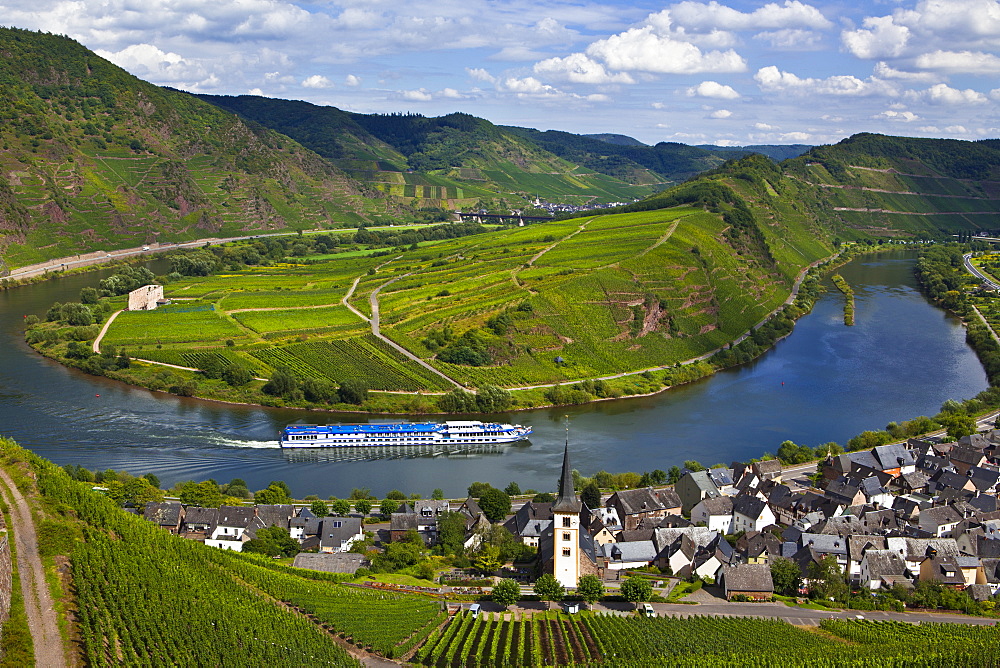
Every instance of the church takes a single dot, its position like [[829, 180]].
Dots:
[[567, 549]]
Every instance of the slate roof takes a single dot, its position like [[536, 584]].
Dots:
[[932, 518], [749, 506], [196, 515], [335, 530], [402, 522], [748, 577], [634, 551], [163, 514], [275, 515], [721, 477], [638, 501], [719, 505], [892, 456], [235, 516], [338, 562], [882, 563]]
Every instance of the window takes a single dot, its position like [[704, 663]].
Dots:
[[567, 522], [566, 552], [566, 535]]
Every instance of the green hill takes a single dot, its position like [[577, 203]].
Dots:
[[453, 161], [94, 158]]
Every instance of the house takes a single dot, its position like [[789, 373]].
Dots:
[[756, 547], [677, 548], [694, 486], [857, 547], [716, 513], [939, 521], [751, 513], [230, 529], [963, 458], [421, 516], [337, 534], [915, 550], [635, 505], [528, 522], [623, 556], [881, 569], [752, 581], [167, 516], [198, 522], [943, 569], [276, 515], [723, 481], [815, 546]]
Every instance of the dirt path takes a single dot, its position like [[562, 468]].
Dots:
[[104, 330], [37, 600]]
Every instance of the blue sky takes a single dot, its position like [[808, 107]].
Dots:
[[695, 72]]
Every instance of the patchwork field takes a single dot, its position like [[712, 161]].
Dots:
[[549, 303]]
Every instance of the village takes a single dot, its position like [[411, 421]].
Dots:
[[889, 518]]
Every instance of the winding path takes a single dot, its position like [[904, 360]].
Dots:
[[97, 341], [42, 618]]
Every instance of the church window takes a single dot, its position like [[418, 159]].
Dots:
[[567, 522], [566, 535], [566, 552]]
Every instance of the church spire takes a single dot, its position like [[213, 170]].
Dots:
[[567, 501]]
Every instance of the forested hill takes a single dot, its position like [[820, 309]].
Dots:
[[865, 186], [94, 158], [461, 161]]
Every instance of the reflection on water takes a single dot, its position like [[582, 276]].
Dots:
[[373, 452]]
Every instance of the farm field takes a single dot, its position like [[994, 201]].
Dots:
[[597, 639], [574, 299]]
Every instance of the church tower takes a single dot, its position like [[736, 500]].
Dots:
[[566, 528]]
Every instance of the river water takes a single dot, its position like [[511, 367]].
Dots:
[[825, 382]]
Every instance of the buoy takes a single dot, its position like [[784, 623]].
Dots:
[[782, 382], [97, 395]]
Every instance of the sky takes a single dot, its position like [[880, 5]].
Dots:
[[727, 73]]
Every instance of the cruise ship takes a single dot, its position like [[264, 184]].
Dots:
[[401, 433]]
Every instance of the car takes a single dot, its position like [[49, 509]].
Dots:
[[107, 255], [145, 248]]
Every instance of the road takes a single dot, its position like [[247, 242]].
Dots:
[[967, 258], [42, 617]]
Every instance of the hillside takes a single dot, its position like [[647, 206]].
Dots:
[[453, 161], [94, 158]]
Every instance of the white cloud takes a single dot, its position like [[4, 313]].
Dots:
[[418, 95], [452, 94], [352, 80], [944, 94], [791, 13], [795, 136], [317, 81], [479, 74], [995, 94], [883, 71], [720, 113], [891, 115], [257, 91], [149, 62], [578, 68], [771, 79], [764, 126], [791, 39], [880, 38], [528, 86], [968, 62], [957, 129], [642, 50], [713, 89]]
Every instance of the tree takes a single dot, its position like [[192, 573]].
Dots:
[[543, 497], [786, 576], [451, 532], [636, 589], [387, 508], [674, 474], [488, 559], [205, 494], [495, 504], [340, 507], [826, 580], [591, 495], [275, 493], [506, 592], [396, 494], [237, 375], [353, 392], [548, 588], [477, 489], [363, 506], [437, 494], [590, 588], [281, 384], [274, 542], [319, 509], [512, 489], [694, 465]]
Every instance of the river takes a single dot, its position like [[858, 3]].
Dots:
[[825, 382]]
